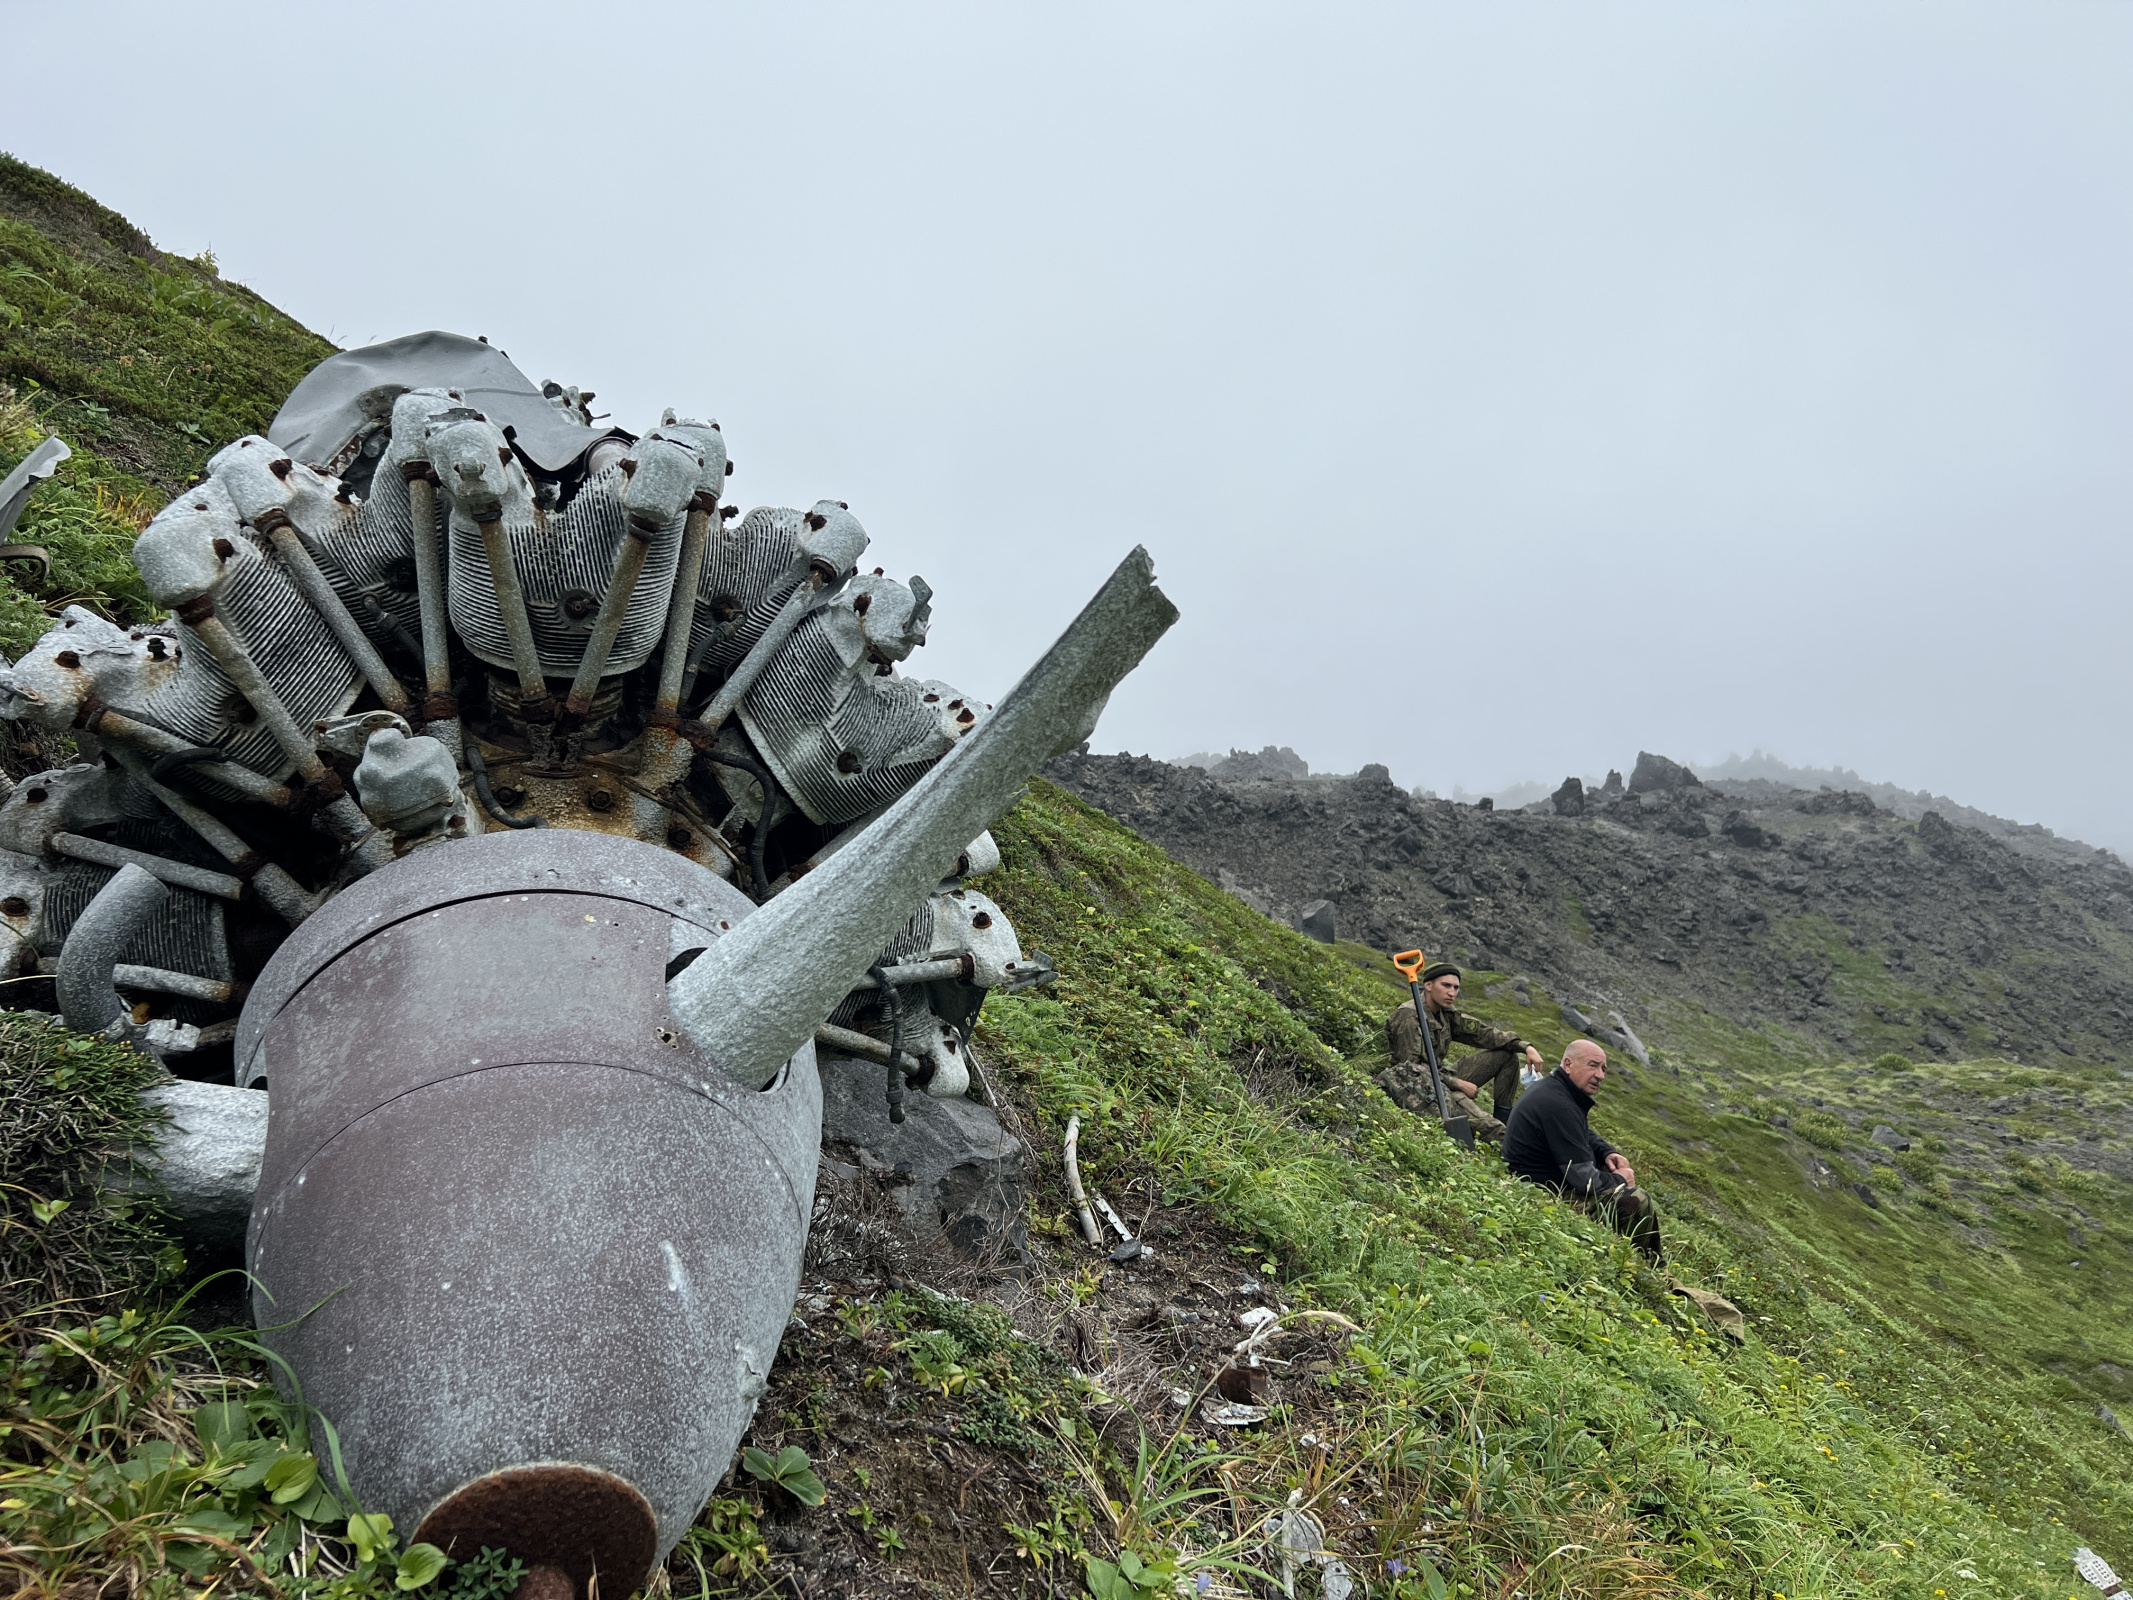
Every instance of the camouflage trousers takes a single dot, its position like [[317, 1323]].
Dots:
[[1408, 1084], [1630, 1212]]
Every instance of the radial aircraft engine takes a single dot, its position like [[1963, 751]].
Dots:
[[536, 815]]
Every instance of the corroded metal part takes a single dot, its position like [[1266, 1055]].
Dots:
[[751, 999], [120, 910], [511, 1219]]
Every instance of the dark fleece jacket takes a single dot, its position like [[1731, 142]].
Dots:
[[1548, 1142]]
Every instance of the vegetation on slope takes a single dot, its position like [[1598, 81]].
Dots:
[[1557, 1419], [145, 363], [1526, 1410]]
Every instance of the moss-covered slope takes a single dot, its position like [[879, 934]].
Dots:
[[145, 363]]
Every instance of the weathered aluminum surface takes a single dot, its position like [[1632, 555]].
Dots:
[[120, 910], [756, 994], [517, 1218], [546, 860]]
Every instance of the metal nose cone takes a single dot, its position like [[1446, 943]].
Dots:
[[523, 1243]]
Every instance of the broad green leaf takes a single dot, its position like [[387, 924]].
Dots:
[[291, 1477], [419, 1563], [222, 1424], [371, 1532], [320, 1505], [216, 1523]]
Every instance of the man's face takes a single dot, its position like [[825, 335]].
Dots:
[[1442, 993], [1586, 1067]]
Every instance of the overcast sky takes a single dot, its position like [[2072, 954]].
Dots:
[[1501, 388]]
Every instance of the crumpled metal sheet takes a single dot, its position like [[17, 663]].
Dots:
[[353, 391]]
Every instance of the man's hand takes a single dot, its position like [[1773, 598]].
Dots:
[[1622, 1169], [1465, 1088], [1533, 1058]]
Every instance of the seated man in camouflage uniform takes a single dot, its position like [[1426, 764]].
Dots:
[[1494, 1061]]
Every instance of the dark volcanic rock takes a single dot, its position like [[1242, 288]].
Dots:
[[1569, 800], [1657, 773], [1816, 911], [1319, 921]]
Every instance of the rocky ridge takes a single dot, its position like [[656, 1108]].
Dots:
[[1819, 912]]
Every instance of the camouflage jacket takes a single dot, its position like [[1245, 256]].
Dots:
[[1449, 1027]]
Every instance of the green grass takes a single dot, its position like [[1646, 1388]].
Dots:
[[1527, 1390], [145, 363]]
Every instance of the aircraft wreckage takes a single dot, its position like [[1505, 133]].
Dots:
[[559, 811]]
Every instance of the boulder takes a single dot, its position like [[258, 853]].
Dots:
[[1655, 774], [1888, 1138], [1569, 800], [1318, 921], [955, 1173]]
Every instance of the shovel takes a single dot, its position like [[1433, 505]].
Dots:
[[1410, 963]]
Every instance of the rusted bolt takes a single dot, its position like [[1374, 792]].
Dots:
[[600, 799], [156, 648], [860, 605], [224, 549], [931, 698], [629, 466], [458, 824], [281, 468], [238, 709], [37, 797], [817, 520], [578, 605], [982, 920], [14, 906], [844, 505], [67, 658], [680, 838], [966, 715], [729, 469]]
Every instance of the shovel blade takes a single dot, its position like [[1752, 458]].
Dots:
[[1462, 1131]]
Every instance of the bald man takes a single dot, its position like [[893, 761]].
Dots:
[[1548, 1141]]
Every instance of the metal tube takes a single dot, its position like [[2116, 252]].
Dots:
[[629, 567], [320, 593], [429, 577], [158, 980], [919, 972], [511, 601], [146, 737], [179, 873], [340, 812], [681, 609], [237, 662], [730, 693], [270, 882], [87, 1001]]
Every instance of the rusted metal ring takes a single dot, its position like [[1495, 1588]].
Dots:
[[196, 610], [271, 520], [418, 471]]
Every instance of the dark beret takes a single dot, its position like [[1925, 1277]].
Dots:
[[1439, 969]]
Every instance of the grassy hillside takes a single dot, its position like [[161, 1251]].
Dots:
[[1908, 1405], [145, 363], [1525, 1410]]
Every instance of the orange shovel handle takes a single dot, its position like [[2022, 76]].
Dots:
[[1410, 964]]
